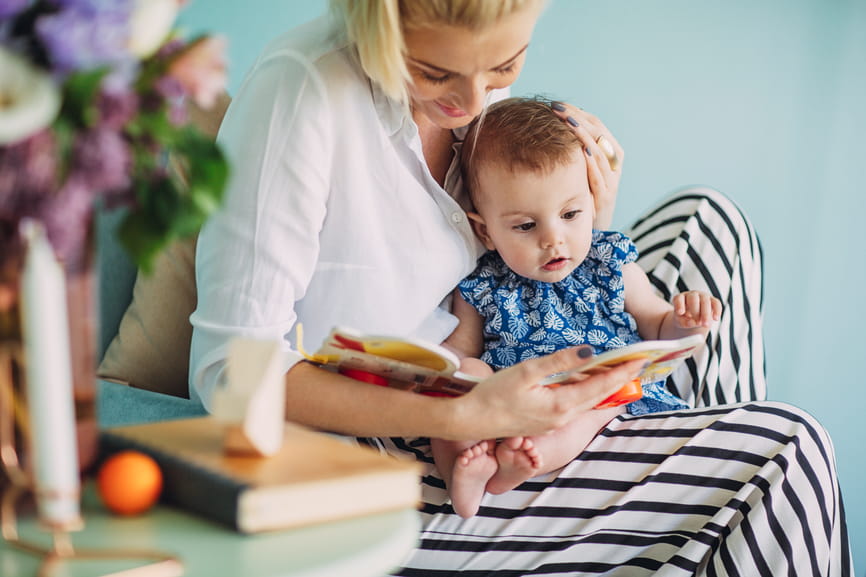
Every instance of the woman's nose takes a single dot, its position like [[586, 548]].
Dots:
[[473, 94]]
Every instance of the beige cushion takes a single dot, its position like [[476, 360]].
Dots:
[[151, 349]]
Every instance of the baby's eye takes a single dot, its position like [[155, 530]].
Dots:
[[525, 227], [571, 214]]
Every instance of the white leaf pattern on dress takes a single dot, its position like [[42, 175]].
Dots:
[[531, 318], [553, 321], [508, 340], [518, 327], [596, 337], [574, 337], [496, 322], [538, 335]]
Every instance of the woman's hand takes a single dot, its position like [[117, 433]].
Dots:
[[512, 403], [603, 159]]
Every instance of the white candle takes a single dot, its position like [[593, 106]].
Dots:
[[50, 404]]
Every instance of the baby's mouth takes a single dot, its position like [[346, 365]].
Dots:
[[555, 263]]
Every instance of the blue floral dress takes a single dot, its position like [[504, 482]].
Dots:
[[525, 318]]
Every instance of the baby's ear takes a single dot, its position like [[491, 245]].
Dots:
[[480, 228]]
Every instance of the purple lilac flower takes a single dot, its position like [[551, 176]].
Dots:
[[117, 106], [101, 160], [173, 94], [10, 8], [67, 222], [28, 175], [93, 5], [81, 37], [122, 76]]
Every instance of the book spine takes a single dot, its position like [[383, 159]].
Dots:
[[185, 484]]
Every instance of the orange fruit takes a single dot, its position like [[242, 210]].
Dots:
[[129, 482]]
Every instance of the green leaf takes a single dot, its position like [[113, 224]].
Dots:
[[142, 239], [79, 97], [179, 204]]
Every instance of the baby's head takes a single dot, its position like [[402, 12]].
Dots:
[[526, 174]]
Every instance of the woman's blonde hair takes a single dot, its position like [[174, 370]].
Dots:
[[376, 28]]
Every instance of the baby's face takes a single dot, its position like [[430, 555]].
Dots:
[[541, 224]]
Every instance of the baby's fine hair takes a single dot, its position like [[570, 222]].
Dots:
[[517, 134], [376, 28]]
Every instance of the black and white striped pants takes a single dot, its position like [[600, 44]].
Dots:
[[723, 489]]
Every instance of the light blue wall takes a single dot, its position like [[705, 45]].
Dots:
[[764, 100]]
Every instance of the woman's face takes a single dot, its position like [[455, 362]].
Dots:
[[453, 68]]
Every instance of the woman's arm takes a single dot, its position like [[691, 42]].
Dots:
[[510, 403]]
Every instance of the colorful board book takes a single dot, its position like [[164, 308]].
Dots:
[[314, 477], [415, 365]]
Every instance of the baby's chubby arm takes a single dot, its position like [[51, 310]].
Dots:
[[688, 313], [467, 340]]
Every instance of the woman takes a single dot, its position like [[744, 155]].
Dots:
[[345, 208]]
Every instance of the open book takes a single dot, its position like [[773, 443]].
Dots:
[[415, 365]]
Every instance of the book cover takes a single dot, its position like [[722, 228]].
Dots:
[[422, 367], [313, 478]]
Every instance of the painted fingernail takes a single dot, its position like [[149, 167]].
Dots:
[[572, 121], [557, 106], [584, 352]]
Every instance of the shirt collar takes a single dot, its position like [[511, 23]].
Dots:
[[392, 114]]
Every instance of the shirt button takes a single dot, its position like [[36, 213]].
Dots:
[[456, 217]]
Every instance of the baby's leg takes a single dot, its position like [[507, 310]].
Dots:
[[519, 459], [466, 466], [522, 458]]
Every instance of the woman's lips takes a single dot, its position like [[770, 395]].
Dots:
[[450, 111]]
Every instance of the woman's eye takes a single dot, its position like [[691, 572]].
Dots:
[[505, 69], [435, 79], [571, 214], [525, 227]]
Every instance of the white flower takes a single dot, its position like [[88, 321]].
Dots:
[[150, 24], [29, 98]]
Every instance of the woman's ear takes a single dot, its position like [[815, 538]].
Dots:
[[480, 229]]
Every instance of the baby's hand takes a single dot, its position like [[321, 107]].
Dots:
[[696, 309]]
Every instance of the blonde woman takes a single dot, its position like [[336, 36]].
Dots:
[[345, 207]]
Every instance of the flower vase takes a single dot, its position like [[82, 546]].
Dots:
[[81, 301]]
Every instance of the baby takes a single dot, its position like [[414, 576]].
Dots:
[[548, 281]]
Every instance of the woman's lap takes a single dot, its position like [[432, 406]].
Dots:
[[750, 486], [745, 489]]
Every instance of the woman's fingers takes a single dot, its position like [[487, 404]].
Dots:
[[604, 157], [593, 129], [567, 401], [512, 402]]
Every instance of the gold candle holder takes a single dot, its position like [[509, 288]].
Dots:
[[20, 484]]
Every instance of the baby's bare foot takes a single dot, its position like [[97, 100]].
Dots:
[[472, 469], [518, 460]]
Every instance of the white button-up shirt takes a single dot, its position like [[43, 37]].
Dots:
[[331, 216]]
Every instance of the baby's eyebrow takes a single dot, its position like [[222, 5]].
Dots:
[[446, 71]]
